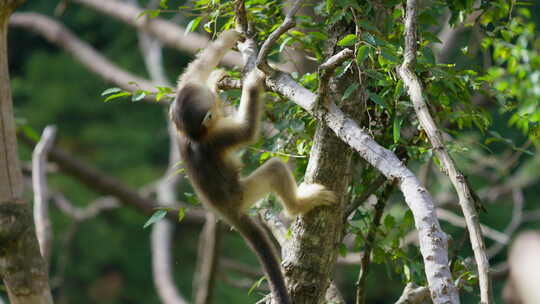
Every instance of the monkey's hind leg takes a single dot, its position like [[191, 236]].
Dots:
[[275, 177]]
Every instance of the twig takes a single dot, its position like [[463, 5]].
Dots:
[[57, 33], [414, 89], [515, 222], [326, 69], [82, 214], [41, 195], [458, 221], [370, 189], [203, 284], [288, 23], [278, 153], [368, 246]]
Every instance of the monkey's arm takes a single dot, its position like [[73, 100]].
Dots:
[[244, 128], [199, 70]]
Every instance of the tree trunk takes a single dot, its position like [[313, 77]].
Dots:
[[309, 260], [23, 270]]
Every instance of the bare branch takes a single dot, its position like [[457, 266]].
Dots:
[[41, 195], [56, 33], [414, 89], [370, 189], [458, 221], [515, 222], [207, 264], [288, 23], [106, 184], [168, 32], [90, 211], [327, 69]]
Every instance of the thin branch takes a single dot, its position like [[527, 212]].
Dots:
[[88, 212], [106, 184], [368, 246], [58, 34], [515, 222], [414, 89], [168, 32], [41, 195], [370, 189], [288, 23], [327, 69], [458, 221], [207, 263]]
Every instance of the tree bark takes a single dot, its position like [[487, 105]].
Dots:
[[309, 260], [23, 270]]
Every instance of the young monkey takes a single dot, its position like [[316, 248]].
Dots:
[[208, 142]]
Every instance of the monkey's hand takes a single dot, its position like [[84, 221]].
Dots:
[[255, 78], [228, 39]]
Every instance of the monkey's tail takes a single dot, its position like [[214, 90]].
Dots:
[[259, 242]]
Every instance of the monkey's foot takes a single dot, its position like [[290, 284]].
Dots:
[[312, 195]]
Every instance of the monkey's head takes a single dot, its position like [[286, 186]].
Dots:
[[194, 110]]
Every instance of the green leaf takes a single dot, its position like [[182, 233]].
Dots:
[[114, 96], [110, 91], [319, 35], [369, 38], [361, 54], [138, 95], [387, 54], [329, 5], [389, 222], [256, 285], [348, 40], [181, 214], [192, 25], [349, 90], [377, 99], [284, 43], [157, 216], [397, 128], [367, 25]]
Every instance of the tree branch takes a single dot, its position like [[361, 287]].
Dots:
[[287, 24], [56, 33], [106, 184], [433, 244], [168, 32], [41, 195], [414, 89], [207, 263]]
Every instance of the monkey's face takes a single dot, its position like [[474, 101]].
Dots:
[[191, 110]]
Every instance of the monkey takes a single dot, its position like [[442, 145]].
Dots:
[[208, 142]]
